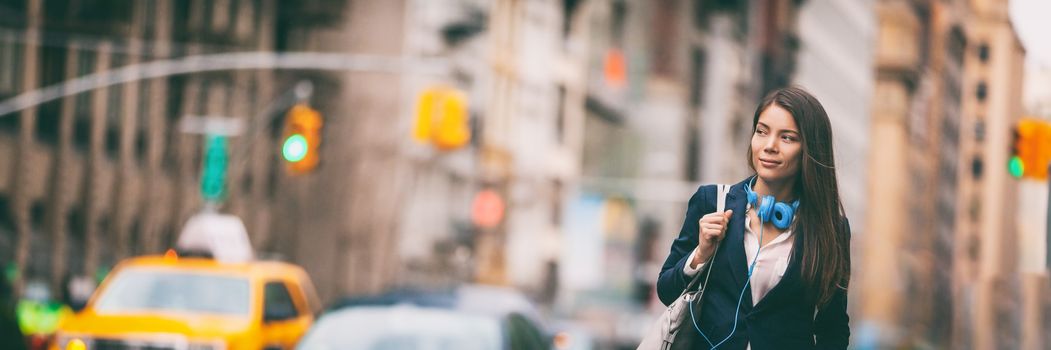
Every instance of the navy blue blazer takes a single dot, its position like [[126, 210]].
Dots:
[[783, 319]]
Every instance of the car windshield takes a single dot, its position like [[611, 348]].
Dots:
[[402, 327], [194, 292]]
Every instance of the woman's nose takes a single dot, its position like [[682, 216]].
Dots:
[[771, 145]]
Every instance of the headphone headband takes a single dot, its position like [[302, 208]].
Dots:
[[769, 209]]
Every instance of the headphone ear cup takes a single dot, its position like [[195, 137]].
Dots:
[[765, 208], [782, 216], [751, 196]]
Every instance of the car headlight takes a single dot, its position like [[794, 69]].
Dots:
[[207, 345], [62, 340]]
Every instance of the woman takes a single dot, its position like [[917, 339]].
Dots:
[[779, 283]]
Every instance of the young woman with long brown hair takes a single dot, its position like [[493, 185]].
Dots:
[[779, 279]]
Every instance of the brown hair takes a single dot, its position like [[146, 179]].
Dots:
[[826, 244]]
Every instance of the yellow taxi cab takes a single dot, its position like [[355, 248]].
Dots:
[[184, 303]]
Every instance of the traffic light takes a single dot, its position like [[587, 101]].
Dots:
[[442, 118], [299, 147], [1031, 149]]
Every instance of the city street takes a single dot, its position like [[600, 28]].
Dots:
[[523, 174]]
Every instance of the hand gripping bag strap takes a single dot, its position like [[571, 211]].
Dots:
[[720, 206], [664, 335]]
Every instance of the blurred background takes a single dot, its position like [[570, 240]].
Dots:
[[544, 146]]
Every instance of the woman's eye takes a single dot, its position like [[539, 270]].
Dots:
[[760, 131], [789, 138]]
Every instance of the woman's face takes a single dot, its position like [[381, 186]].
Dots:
[[777, 146]]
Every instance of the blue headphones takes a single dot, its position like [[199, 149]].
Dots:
[[770, 210]]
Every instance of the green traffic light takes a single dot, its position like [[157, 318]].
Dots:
[[1016, 167], [295, 148]]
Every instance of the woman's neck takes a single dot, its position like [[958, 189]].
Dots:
[[783, 191]]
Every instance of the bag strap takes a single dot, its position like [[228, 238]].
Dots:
[[720, 206]]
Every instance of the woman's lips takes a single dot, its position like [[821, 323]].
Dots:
[[768, 163]]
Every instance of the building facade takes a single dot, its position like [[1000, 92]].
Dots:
[[101, 175], [836, 60], [990, 262], [676, 116], [937, 186]]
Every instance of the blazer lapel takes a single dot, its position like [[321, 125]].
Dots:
[[736, 201]]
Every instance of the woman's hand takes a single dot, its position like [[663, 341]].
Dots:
[[712, 227]]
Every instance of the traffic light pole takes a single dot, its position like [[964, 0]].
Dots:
[[224, 62]]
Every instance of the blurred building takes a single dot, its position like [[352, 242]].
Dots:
[[101, 175], [836, 60], [909, 89], [934, 124], [106, 174], [931, 197], [672, 86], [521, 64], [992, 277], [837, 49], [1032, 214], [388, 211]]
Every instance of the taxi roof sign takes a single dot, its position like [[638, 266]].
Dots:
[[221, 235]]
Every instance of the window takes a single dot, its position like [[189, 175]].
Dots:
[[664, 37], [277, 303], [47, 122], [697, 78], [560, 121], [569, 8], [556, 203], [114, 109], [143, 117], [957, 44], [53, 61], [11, 58], [975, 209], [979, 130], [149, 23], [620, 14], [980, 91], [693, 153], [153, 289], [976, 167], [86, 64], [983, 52], [704, 9]]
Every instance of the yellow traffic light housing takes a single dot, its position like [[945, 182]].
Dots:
[[1031, 149], [302, 136], [442, 118]]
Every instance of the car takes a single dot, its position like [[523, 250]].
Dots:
[[194, 303], [469, 317]]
